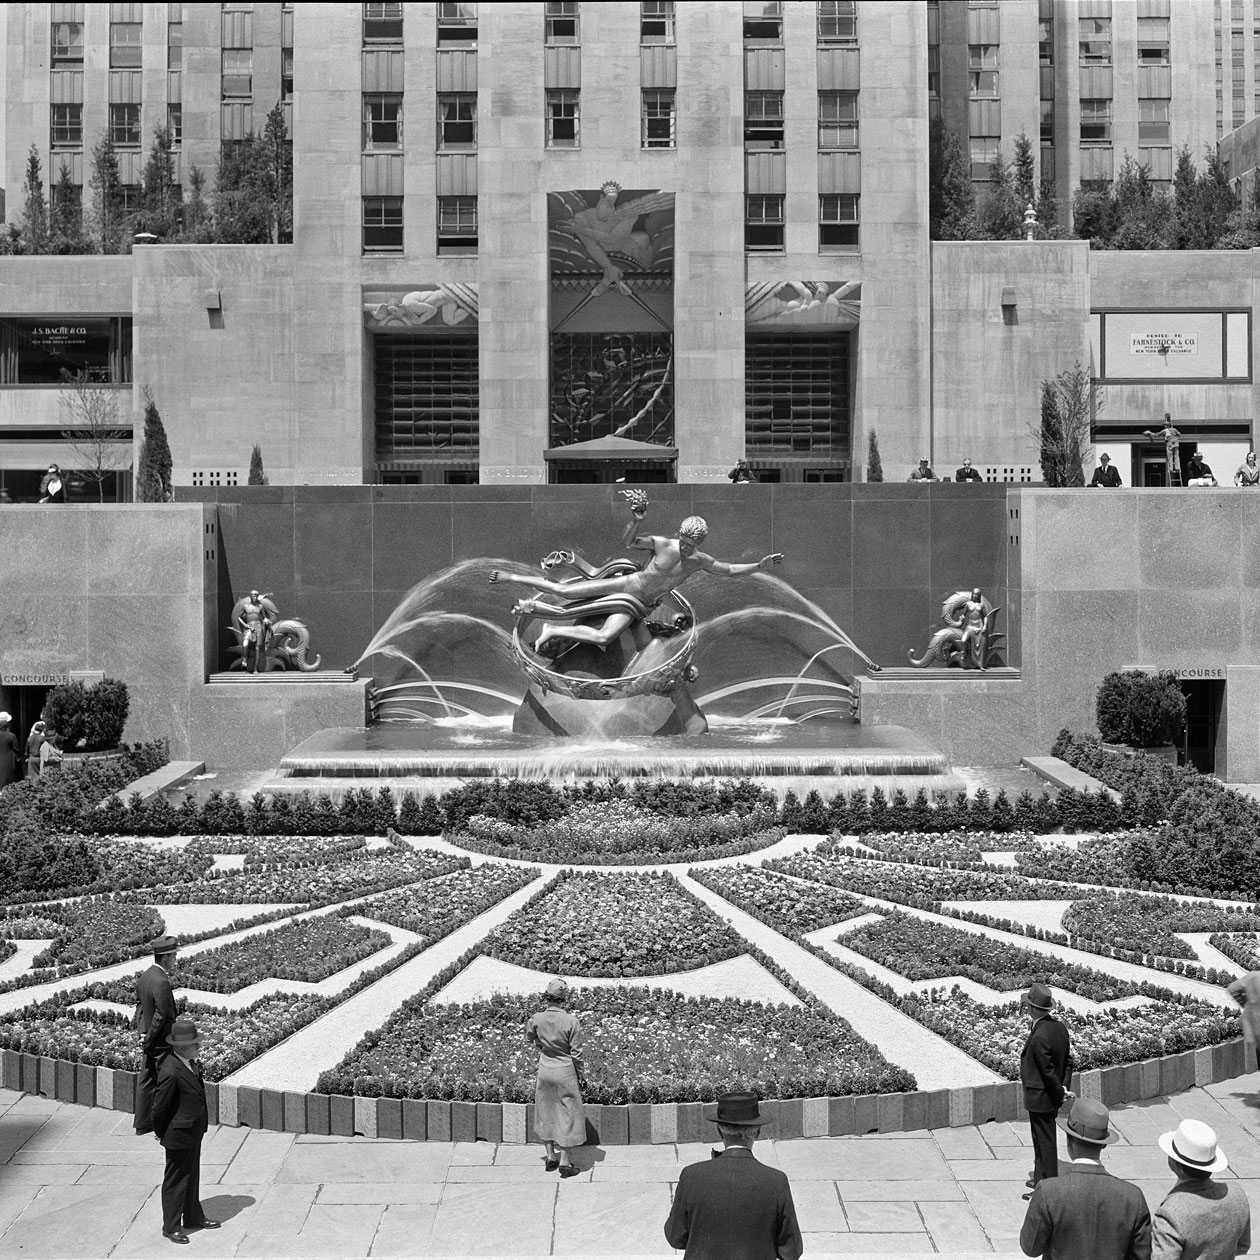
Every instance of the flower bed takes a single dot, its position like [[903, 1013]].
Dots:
[[921, 950], [1242, 947], [310, 950], [996, 1035], [1131, 921], [315, 885], [780, 900], [594, 924], [93, 930], [641, 1045], [440, 905], [1103, 860], [263, 851]]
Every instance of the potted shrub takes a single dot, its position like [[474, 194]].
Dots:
[[88, 721], [1142, 711]]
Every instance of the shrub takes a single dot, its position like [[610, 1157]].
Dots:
[[1142, 709], [88, 718]]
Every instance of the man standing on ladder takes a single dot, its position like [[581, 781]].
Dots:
[[1171, 439]]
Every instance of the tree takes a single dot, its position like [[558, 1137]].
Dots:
[[256, 475], [107, 196], [34, 206], [1000, 216], [1069, 404], [278, 155], [93, 428], [952, 199], [153, 474], [160, 206], [874, 468], [1243, 228], [197, 227], [1217, 199], [1143, 217], [65, 216], [1093, 215], [1024, 172], [253, 195]]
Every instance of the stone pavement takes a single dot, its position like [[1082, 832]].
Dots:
[[78, 1182]]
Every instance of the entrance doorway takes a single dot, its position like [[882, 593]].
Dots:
[[24, 705], [1205, 702]]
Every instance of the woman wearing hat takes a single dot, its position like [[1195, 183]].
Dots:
[[558, 1116], [1200, 1218], [8, 752], [33, 743]]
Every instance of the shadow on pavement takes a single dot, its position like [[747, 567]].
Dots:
[[225, 1206]]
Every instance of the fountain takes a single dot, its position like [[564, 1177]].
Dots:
[[607, 670]]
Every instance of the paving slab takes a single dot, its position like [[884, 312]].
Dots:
[[260, 1157], [953, 1227], [858, 1159], [818, 1207], [610, 1220], [404, 1229], [74, 1221], [374, 1164], [481, 1220], [884, 1218]]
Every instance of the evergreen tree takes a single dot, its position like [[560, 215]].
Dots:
[[1048, 211], [1216, 197], [65, 216], [1051, 436], [160, 202], [951, 197], [1143, 216], [874, 468], [1000, 216], [1024, 172], [34, 206], [107, 196], [1069, 404], [256, 475], [197, 226], [278, 167], [153, 474], [1243, 228], [1093, 215], [1185, 199], [253, 196]]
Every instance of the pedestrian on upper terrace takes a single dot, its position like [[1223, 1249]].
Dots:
[[967, 473], [1246, 992], [1200, 473], [731, 1206], [923, 472], [1248, 474], [741, 474], [180, 1120], [33, 742], [1085, 1213], [1200, 1219], [49, 751], [52, 489], [559, 1119], [154, 1019], [9, 752], [1105, 475], [1045, 1068]]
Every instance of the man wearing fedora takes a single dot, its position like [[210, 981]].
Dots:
[[180, 1119], [1201, 1219], [732, 1207], [155, 1017], [1085, 1213], [1044, 1070]]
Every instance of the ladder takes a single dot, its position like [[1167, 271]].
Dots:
[[1174, 474]]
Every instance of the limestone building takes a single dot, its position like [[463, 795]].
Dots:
[[555, 241]]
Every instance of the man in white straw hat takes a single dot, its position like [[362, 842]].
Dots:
[[1085, 1213], [1201, 1219]]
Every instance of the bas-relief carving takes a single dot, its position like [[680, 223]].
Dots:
[[450, 306], [784, 303]]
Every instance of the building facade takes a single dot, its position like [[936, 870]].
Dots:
[[553, 241]]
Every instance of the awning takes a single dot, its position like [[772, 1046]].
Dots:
[[622, 450]]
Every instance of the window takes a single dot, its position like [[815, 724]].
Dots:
[[382, 224], [1152, 38], [561, 20], [35, 351], [425, 396], [174, 45], [66, 126], [383, 23], [837, 21], [1153, 122], [837, 222], [67, 44], [1047, 122], [763, 120], [1095, 41], [457, 120], [763, 223], [983, 153], [797, 391], [175, 123], [1045, 42], [658, 118], [1096, 122], [982, 60], [382, 122], [286, 74], [763, 22], [934, 70], [457, 225], [124, 45], [124, 124], [837, 120], [562, 118], [238, 72], [456, 25], [656, 22]]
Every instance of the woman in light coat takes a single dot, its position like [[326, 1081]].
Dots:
[[558, 1116]]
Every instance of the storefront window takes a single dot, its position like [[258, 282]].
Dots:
[[37, 351]]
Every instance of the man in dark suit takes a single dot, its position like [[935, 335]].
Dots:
[[731, 1207], [1086, 1213], [155, 1017], [967, 473], [180, 1120], [1044, 1070], [1105, 475]]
